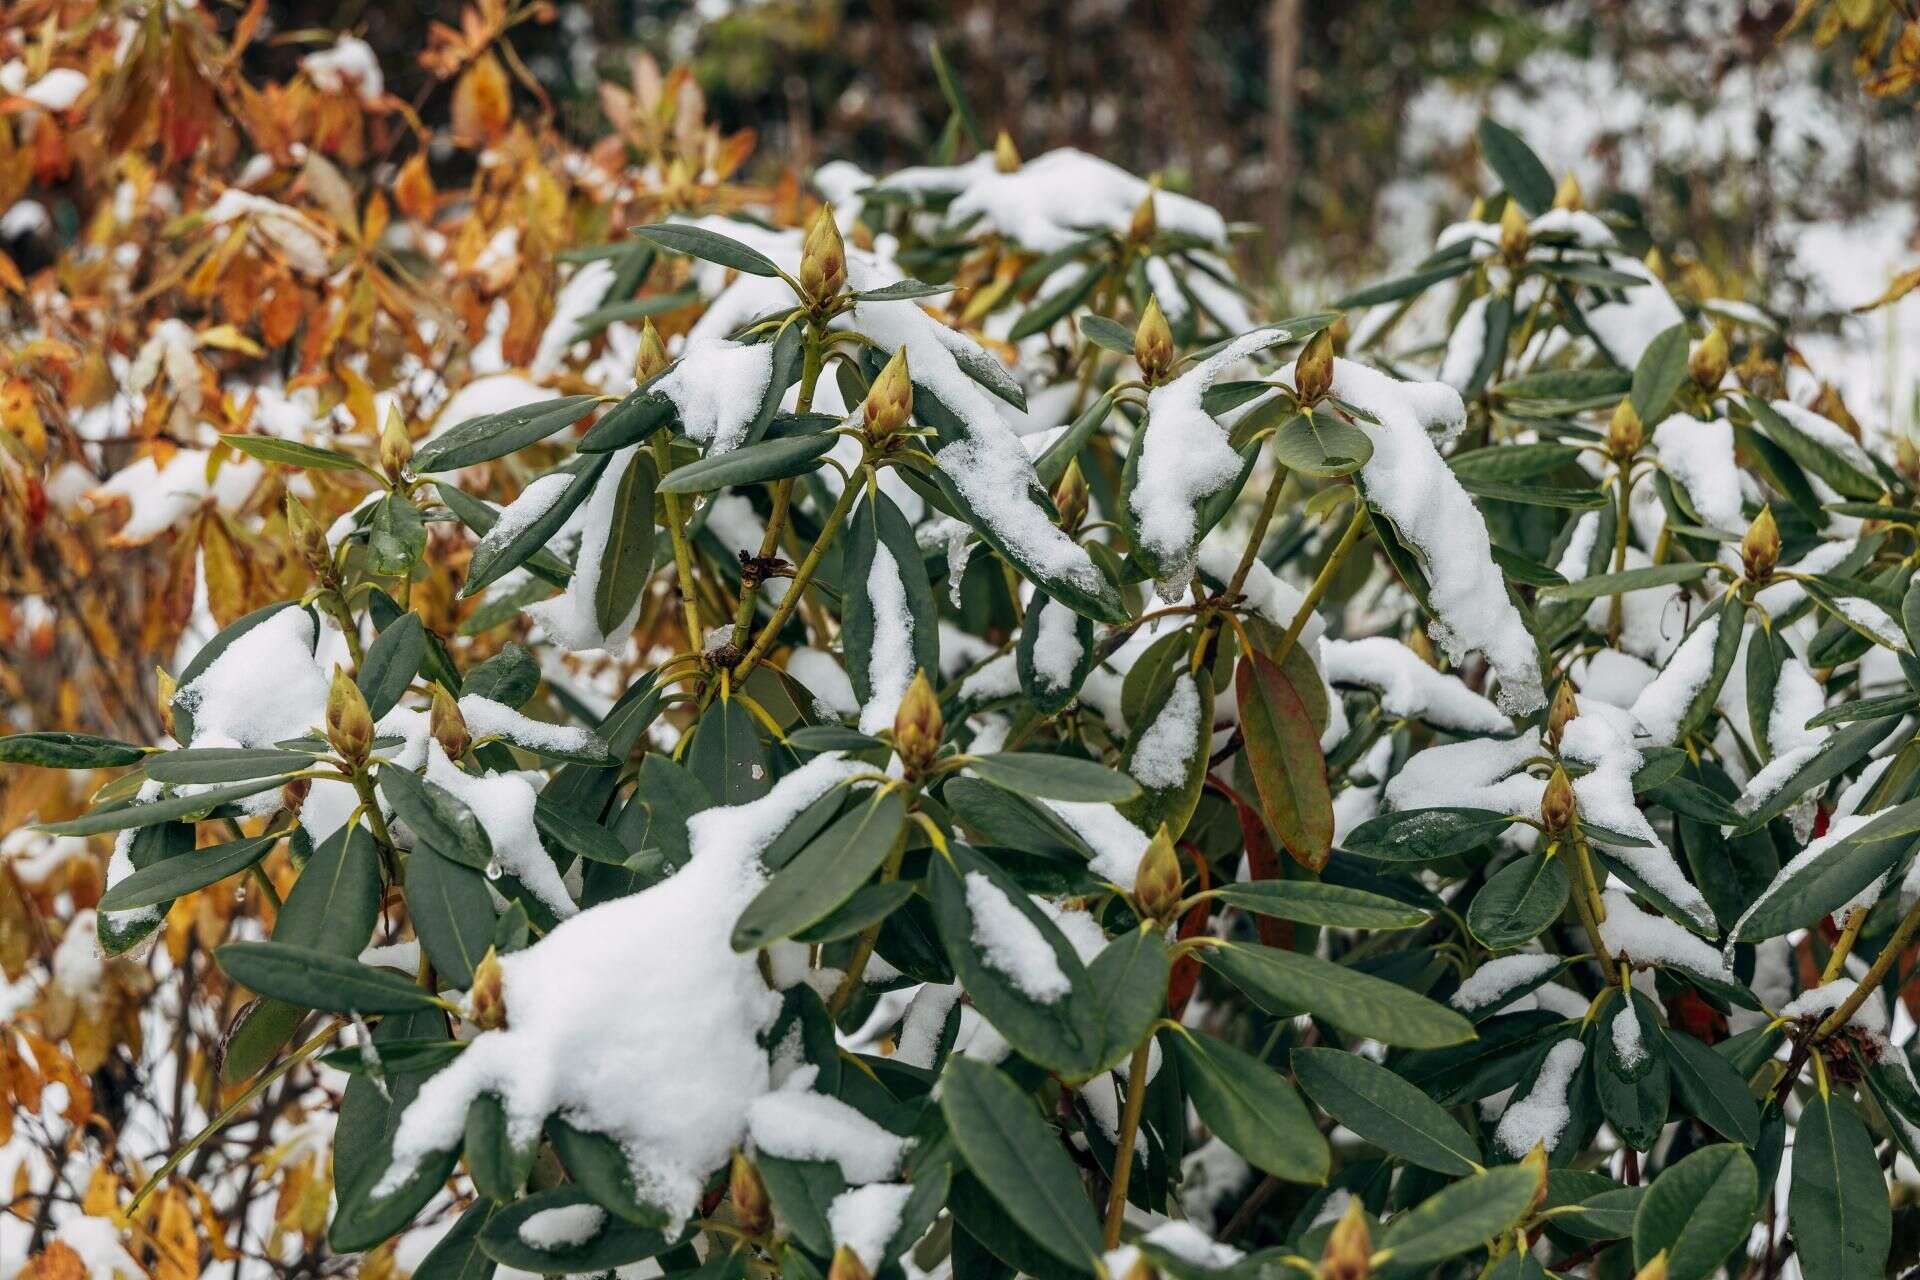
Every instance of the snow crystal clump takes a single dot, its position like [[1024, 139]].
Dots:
[[1013, 944], [1542, 1116]]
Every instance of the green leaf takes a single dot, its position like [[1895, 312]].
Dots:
[[1038, 773], [481, 518], [1610, 584], [1514, 163], [802, 1192], [1837, 1200], [1662, 368], [169, 878], [708, 246], [903, 291], [773, 459], [1284, 756], [1838, 754], [1535, 495], [1697, 1211], [495, 435], [258, 1033], [615, 1244], [437, 818], [1509, 463], [319, 979], [457, 1255], [335, 903], [878, 523], [1110, 334], [1841, 475], [627, 560], [1519, 901], [1018, 1159], [1633, 1095], [638, 416], [396, 536], [1043, 313], [825, 873], [1288, 982], [1712, 1089], [1321, 444], [392, 661], [1425, 835], [199, 765], [728, 755], [1251, 1107], [577, 836], [496, 556], [67, 751], [291, 453], [1385, 1110], [1406, 286], [1127, 991], [147, 813], [1463, 1217], [1331, 906], [452, 911]]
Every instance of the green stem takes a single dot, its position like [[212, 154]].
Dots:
[[682, 554], [1890, 953], [813, 362], [1617, 609], [797, 586], [1123, 1151], [1355, 527]]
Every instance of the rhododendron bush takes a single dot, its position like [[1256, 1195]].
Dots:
[[910, 724]]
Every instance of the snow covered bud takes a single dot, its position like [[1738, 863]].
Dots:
[[1313, 369], [823, 257], [1760, 549], [1656, 1268], [448, 725], [1567, 194], [1006, 156], [1349, 1251], [1144, 223], [1708, 362], [1153, 344], [308, 537], [396, 448], [751, 1206], [164, 686], [1556, 805], [1565, 709], [1625, 432], [1070, 497], [1515, 238], [847, 1266], [349, 725], [889, 401], [1156, 885], [653, 359], [487, 997], [918, 726]]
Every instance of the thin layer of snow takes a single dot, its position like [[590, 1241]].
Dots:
[[890, 661], [866, 1218], [1645, 939], [1663, 703], [1627, 1044], [1165, 749], [797, 1125], [1117, 844], [1816, 1004], [1480, 773], [1409, 689], [562, 1227], [1408, 481], [1055, 199], [1012, 944], [572, 618], [718, 387], [1541, 1118], [1499, 976], [486, 718], [1056, 644], [1466, 345], [925, 1021], [503, 804]]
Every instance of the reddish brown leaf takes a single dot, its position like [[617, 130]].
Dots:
[[1284, 756]]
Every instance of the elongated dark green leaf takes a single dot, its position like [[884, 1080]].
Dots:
[[728, 754], [1819, 459], [452, 912], [1251, 1107], [1519, 901], [496, 555], [1697, 1211], [1385, 1110], [67, 751], [1464, 1216], [319, 979], [437, 818], [903, 291], [1331, 906], [1406, 286], [774, 459], [1838, 754], [627, 560], [1288, 982], [148, 813], [495, 435], [1837, 1200], [1510, 463], [334, 904], [566, 830], [1038, 773], [292, 453], [1662, 368], [1536, 495], [1018, 1159], [708, 246], [1127, 990], [1283, 752], [825, 873], [481, 517], [224, 764], [1514, 163], [1423, 835], [1610, 584], [392, 661], [169, 878], [642, 413], [1110, 334], [1712, 1089], [614, 1244]]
